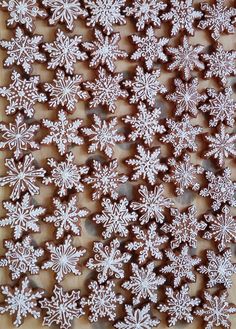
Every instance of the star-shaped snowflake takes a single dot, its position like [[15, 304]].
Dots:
[[22, 94], [64, 52], [115, 217]]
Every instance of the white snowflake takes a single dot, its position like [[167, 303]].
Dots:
[[66, 175], [182, 135], [104, 50], [144, 124], [66, 216], [145, 86], [151, 204], [184, 227], [181, 266], [64, 258], [147, 242], [22, 94], [108, 260], [115, 217], [103, 135], [143, 283], [106, 90], [179, 305], [64, 52], [146, 164], [22, 176]]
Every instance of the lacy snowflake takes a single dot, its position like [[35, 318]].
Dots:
[[145, 86], [22, 94], [64, 52], [103, 135], [22, 176], [184, 227], [179, 305], [66, 175], [144, 124], [115, 217], [104, 50]]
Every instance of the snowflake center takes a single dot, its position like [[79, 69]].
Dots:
[[63, 260], [21, 175], [21, 8], [144, 8], [21, 93]]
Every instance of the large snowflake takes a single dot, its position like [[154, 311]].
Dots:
[[115, 217], [22, 94]]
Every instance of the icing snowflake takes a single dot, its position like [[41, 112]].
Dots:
[[64, 258], [184, 227], [149, 48], [104, 50], [105, 13], [220, 189], [105, 179], [108, 260], [181, 266], [106, 90], [145, 86], [22, 176], [63, 132], [146, 164], [151, 204], [144, 124], [64, 11], [18, 136], [64, 52], [65, 91], [145, 12], [66, 216], [183, 174], [216, 310], [62, 307], [143, 283], [66, 175], [220, 64], [179, 305], [22, 94], [115, 217], [21, 257], [186, 58], [182, 135], [186, 97], [217, 18], [21, 301], [147, 243], [103, 135]]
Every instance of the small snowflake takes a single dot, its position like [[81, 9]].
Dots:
[[217, 18], [179, 305], [146, 164], [21, 257], [220, 64], [22, 94], [220, 189], [66, 216], [184, 227], [62, 307], [103, 135], [22, 176], [144, 124], [183, 174], [152, 203], [65, 91], [147, 243], [108, 260], [145, 86], [186, 97], [64, 52], [66, 175], [104, 50], [115, 217]]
